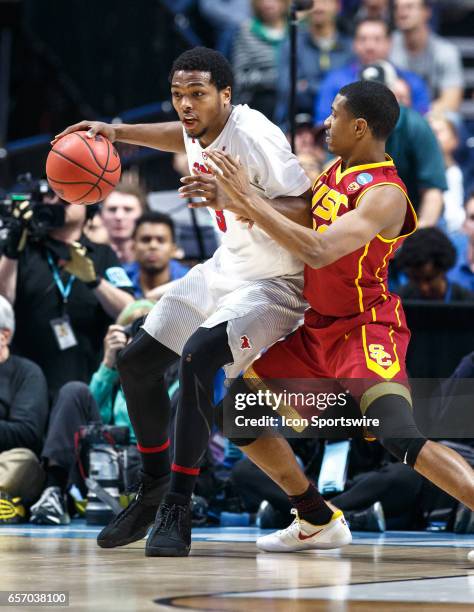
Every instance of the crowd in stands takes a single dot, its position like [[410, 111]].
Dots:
[[71, 302]]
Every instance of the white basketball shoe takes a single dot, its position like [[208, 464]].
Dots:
[[301, 535]]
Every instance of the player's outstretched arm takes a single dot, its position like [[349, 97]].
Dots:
[[167, 136], [381, 211], [298, 209]]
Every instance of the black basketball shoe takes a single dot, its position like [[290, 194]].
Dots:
[[134, 521], [171, 534]]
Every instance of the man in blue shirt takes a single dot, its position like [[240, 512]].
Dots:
[[463, 271], [153, 246], [372, 43], [320, 48]]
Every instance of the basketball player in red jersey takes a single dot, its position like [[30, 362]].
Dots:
[[354, 328]]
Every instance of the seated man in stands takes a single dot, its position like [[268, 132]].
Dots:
[[426, 257], [23, 417], [153, 247]]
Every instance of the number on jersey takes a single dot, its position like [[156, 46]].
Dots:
[[221, 224]]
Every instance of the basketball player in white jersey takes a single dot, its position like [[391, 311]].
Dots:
[[222, 313]]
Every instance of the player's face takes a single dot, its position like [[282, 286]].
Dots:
[[119, 213], [340, 133], [199, 104], [154, 246]]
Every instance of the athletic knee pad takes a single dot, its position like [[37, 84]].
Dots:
[[397, 430]]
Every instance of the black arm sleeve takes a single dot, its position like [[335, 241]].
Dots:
[[25, 423]]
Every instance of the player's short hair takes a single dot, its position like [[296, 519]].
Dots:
[[133, 190], [426, 245], [375, 103], [205, 60], [155, 217]]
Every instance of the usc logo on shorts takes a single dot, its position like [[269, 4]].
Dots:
[[378, 353]]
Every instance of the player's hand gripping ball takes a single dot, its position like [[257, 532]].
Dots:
[[83, 170]]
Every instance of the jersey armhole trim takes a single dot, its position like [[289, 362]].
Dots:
[[411, 209]]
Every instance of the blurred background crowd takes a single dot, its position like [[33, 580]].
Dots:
[[62, 324]]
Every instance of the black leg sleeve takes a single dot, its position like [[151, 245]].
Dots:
[[205, 352], [142, 365]]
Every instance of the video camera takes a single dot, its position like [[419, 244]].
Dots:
[[46, 215]]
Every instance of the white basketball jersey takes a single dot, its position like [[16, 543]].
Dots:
[[250, 254]]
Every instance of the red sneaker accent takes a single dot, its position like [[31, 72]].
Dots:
[[306, 537]]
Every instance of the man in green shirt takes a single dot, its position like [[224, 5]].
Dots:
[[414, 149]]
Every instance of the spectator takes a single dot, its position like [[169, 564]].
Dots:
[[225, 14], [119, 212], [374, 9], [153, 248], [437, 61], [426, 257], [254, 55], [95, 229], [463, 272], [444, 126], [77, 404], [320, 48], [23, 416], [415, 151], [372, 43], [65, 290], [310, 145]]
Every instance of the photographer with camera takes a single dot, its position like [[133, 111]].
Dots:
[[100, 404], [65, 289]]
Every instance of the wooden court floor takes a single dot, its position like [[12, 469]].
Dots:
[[224, 572]]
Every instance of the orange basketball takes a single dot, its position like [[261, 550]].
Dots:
[[83, 170]]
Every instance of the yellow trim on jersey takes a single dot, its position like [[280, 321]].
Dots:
[[396, 312], [374, 315], [381, 389], [415, 218], [359, 276], [384, 263], [373, 366], [340, 175], [325, 172], [253, 380]]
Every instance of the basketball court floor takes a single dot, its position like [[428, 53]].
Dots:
[[396, 572]]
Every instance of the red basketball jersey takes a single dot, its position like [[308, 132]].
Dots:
[[358, 281]]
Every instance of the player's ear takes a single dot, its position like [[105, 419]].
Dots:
[[361, 127], [226, 95]]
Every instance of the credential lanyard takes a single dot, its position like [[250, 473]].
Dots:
[[64, 290]]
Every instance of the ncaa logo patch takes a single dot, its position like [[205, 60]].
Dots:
[[353, 187], [245, 343], [365, 178]]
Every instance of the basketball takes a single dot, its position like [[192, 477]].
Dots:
[[83, 170]]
